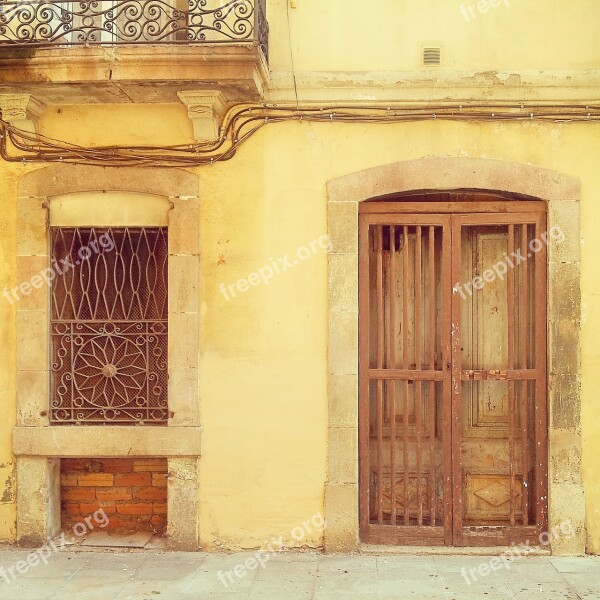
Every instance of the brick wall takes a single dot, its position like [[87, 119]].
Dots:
[[132, 492]]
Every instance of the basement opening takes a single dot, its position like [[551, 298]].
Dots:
[[118, 496]]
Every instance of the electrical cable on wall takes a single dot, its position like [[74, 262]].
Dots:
[[244, 120], [292, 65]]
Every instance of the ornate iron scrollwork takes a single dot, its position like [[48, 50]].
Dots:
[[42, 23]]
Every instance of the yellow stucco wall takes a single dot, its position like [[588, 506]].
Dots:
[[8, 189], [389, 34], [263, 394]]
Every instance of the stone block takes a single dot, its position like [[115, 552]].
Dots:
[[343, 400], [342, 464], [341, 513], [38, 499], [184, 282], [342, 227], [343, 282], [184, 226], [184, 400], [343, 343], [183, 503]]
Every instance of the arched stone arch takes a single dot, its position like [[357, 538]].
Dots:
[[454, 173], [562, 194]]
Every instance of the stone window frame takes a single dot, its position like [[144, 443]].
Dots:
[[37, 445], [562, 195]]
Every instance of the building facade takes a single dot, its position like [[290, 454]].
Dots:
[[301, 271]]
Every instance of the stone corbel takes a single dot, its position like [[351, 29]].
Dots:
[[21, 110], [206, 110]]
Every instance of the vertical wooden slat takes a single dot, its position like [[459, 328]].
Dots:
[[392, 364], [511, 365], [432, 366], [541, 408], [405, 322], [523, 341], [380, 291], [418, 365], [453, 464], [364, 419]]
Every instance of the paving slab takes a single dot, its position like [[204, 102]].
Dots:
[[131, 574], [334, 595], [282, 590], [87, 588], [585, 584], [291, 571], [338, 563], [411, 588], [30, 589], [572, 564], [160, 589], [543, 593], [311, 557], [105, 539], [357, 581], [168, 568]]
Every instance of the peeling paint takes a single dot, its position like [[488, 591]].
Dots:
[[9, 495]]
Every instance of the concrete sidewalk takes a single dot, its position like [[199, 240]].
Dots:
[[152, 575]]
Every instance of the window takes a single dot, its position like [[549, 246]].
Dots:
[[109, 306]]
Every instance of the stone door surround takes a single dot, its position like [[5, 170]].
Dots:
[[562, 194]]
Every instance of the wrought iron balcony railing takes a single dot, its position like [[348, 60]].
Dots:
[[44, 24]]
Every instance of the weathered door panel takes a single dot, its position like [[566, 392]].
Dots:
[[404, 378], [499, 320]]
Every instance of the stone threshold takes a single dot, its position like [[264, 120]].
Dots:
[[375, 549]]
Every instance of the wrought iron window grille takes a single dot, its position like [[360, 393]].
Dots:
[[109, 327]]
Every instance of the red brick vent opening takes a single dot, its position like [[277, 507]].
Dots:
[[131, 491]]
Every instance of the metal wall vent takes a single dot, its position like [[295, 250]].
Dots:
[[432, 56]]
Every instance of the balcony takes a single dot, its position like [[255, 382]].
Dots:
[[133, 50]]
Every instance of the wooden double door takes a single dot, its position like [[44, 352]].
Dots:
[[453, 414]]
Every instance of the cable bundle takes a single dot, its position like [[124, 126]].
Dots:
[[243, 120]]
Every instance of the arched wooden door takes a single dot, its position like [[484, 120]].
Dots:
[[453, 416]]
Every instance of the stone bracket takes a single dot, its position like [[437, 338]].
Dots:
[[206, 110], [21, 110]]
